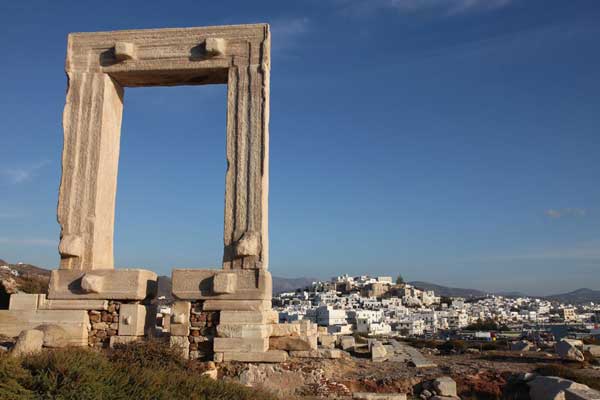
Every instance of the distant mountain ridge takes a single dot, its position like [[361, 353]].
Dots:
[[280, 285], [578, 296]]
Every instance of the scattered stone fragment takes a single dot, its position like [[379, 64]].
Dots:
[[445, 386], [567, 350], [30, 341], [554, 388], [54, 335], [347, 343], [378, 352], [379, 396]]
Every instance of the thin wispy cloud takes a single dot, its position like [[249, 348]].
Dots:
[[20, 174], [565, 212], [443, 7], [28, 241], [286, 32]]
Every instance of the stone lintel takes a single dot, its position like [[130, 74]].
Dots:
[[122, 284], [213, 284], [271, 356], [73, 304]]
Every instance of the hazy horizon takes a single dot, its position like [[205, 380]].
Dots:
[[454, 142]]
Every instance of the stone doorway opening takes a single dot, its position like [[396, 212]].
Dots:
[[171, 182]]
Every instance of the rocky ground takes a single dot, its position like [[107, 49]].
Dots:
[[486, 375]]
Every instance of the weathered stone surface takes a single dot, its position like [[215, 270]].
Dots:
[[378, 396], [180, 318], [378, 352], [293, 343], [46, 304], [123, 284], [215, 46], [92, 283], [271, 356], [225, 283], [116, 340], [54, 335], [248, 317], [237, 305], [132, 320], [567, 350], [74, 322], [445, 386], [182, 343], [244, 330], [24, 301], [554, 388], [347, 342], [99, 65], [319, 353], [286, 330], [327, 341], [223, 345], [200, 284], [30, 341], [248, 245]]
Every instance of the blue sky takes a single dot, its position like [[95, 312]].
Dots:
[[453, 141]]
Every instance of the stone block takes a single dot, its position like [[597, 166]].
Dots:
[[46, 304], [378, 396], [182, 343], [224, 283], [244, 330], [117, 340], [180, 318], [248, 317], [286, 330], [223, 345], [75, 322], [200, 284], [30, 341], [327, 341], [445, 386], [271, 356], [24, 301], [307, 327], [215, 46], [102, 284], [378, 352], [132, 320], [54, 336], [237, 305], [293, 343], [319, 353], [125, 51], [218, 357], [347, 342]]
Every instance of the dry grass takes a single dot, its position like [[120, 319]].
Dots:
[[138, 371]]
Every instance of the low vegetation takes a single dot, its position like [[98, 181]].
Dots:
[[136, 371]]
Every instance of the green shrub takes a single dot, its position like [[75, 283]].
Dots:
[[11, 377], [450, 345], [141, 371]]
